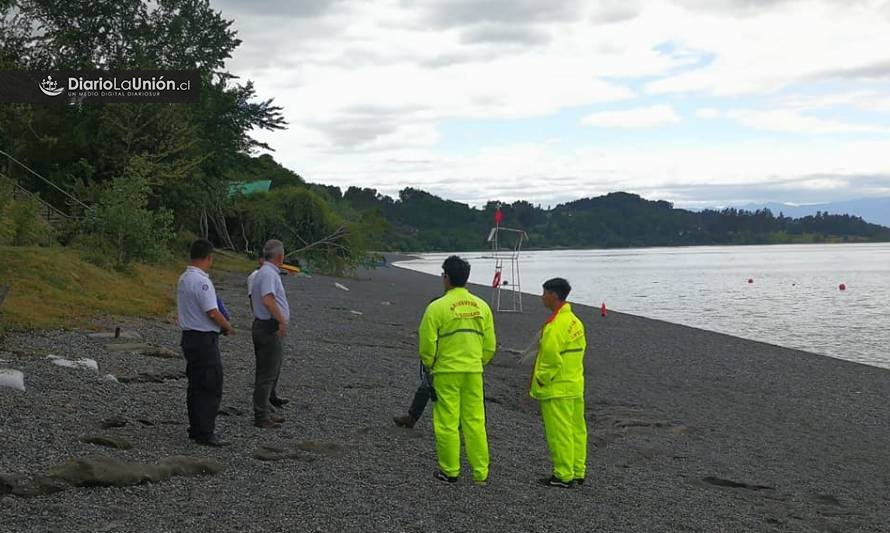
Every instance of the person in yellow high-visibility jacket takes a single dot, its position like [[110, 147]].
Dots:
[[456, 338], [558, 383]]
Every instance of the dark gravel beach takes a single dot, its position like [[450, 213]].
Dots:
[[689, 430]]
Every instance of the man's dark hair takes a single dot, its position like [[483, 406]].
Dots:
[[200, 249], [457, 269], [558, 286]]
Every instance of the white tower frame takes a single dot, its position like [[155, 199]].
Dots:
[[511, 302]]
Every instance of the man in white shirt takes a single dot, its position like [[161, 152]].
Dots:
[[201, 323], [274, 399], [271, 314]]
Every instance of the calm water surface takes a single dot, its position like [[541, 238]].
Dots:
[[794, 299]]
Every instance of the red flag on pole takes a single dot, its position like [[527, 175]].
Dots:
[[498, 216]]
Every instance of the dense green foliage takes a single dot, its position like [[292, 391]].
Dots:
[[20, 224], [121, 228], [185, 155]]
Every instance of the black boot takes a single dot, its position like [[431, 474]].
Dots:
[[405, 421]]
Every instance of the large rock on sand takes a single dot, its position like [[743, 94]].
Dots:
[[107, 472], [12, 379], [104, 472]]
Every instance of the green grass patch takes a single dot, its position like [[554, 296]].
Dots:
[[225, 261], [55, 287]]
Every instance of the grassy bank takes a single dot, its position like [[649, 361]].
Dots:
[[56, 287]]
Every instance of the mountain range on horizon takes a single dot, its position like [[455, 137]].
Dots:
[[874, 210]]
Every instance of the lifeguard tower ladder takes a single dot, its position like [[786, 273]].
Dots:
[[506, 244]]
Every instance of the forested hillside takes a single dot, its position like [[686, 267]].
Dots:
[[420, 221]]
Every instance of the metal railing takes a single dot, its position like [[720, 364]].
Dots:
[[48, 182], [52, 214]]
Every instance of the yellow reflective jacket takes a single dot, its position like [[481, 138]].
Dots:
[[456, 333], [559, 367]]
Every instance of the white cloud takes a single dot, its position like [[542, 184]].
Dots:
[[792, 121], [504, 33], [614, 11], [276, 8], [451, 13], [867, 100], [426, 64], [641, 117], [707, 113], [878, 104], [367, 87], [816, 170], [776, 45]]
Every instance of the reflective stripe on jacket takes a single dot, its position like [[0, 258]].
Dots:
[[559, 367], [456, 333]]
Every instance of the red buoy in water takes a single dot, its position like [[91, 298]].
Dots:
[[842, 286], [603, 309], [750, 280]]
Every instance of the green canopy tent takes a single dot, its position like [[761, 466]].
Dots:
[[249, 187]]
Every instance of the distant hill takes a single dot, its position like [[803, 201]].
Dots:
[[874, 210], [420, 221]]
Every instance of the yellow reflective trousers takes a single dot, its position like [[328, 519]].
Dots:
[[460, 407], [566, 431]]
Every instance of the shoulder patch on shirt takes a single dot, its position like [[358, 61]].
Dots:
[[205, 287]]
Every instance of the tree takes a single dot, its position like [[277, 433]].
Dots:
[[307, 225], [121, 228], [187, 149]]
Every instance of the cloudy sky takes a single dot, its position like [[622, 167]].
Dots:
[[699, 102]]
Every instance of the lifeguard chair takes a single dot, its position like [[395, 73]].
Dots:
[[506, 244]]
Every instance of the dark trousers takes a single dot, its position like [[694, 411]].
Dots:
[[274, 394], [267, 349], [423, 394], [205, 381]]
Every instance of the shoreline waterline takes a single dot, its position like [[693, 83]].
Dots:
[[786, 295]]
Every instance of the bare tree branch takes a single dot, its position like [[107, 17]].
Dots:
[[329, 241]]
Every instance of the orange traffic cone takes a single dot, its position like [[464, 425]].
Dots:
[[603, 309]]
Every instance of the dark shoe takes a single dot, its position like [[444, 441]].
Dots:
[[266, 424], [481, 482], [579, 481], [442, 477], [276, 419], [214, 442], [278, 402], [406, 421], [554, 481]]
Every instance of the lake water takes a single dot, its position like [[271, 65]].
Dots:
[[794, 300]]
